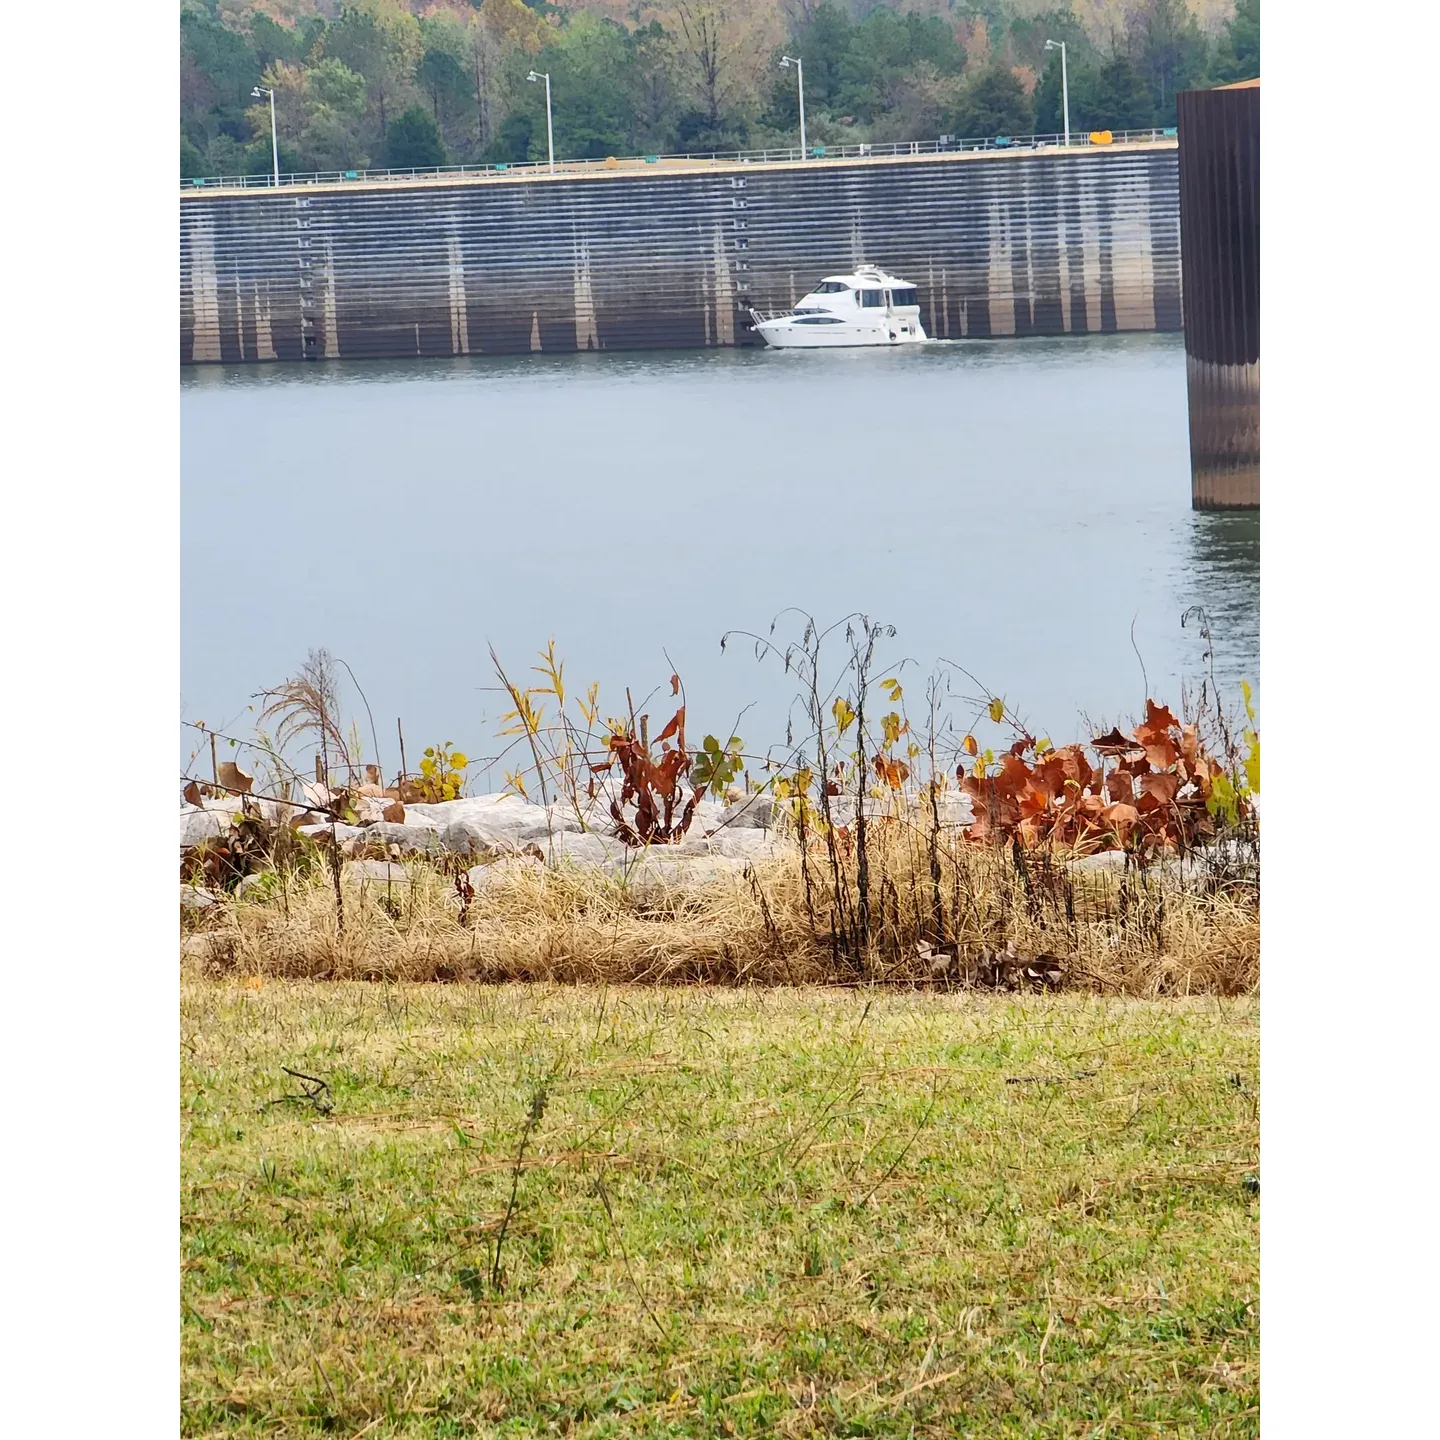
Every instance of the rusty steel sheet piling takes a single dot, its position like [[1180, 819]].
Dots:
[[1220, 242], [1043, 243]]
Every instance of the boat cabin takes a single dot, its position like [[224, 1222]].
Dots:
[[869, 288]]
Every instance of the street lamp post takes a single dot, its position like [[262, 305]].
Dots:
[[787, 61], [1064, 83], [549, 125], [257, 92]]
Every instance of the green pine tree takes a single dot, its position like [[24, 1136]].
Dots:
[[413, 141]]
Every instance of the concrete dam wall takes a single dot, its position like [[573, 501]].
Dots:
[[1043, 243]]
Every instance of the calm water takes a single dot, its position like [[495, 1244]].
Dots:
[[1013, 506]]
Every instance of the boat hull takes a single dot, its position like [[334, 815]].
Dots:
[[793, 337]]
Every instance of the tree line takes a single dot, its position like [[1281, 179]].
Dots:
[[367, 83]]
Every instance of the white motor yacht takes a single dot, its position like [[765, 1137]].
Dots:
[[867, 307]]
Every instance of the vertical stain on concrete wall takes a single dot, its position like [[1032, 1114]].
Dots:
[[1090, 255], [945, 304], [930, 329], [1046, 295], [239, 316], [1135, 274], [535, 330], [204, 291], [1022, 267], [857, 244], [459, 318], [264, 338], [1164, 248], [586, 335], [330, 334], [1065, 282], [999, 276], [724, 292]]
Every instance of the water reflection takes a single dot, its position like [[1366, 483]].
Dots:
[[1224, 569]]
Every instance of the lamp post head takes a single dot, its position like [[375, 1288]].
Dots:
[[1054, 44], [786, 61], [533, 76]]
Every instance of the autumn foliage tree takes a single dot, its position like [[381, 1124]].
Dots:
[[676, 75]]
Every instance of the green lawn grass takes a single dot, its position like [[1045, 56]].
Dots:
[[740, 1213]]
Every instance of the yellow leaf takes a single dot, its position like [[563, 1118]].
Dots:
[[997, 710], [1252, 765], [459, 760], [844, 714], [970, 747]]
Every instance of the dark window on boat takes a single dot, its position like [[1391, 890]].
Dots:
[[819, 320], [872, 299], [906, 296], [830, 287]]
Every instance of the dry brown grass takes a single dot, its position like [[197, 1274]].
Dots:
[[1139, 934]]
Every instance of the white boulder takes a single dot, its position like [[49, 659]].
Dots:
[[198, 825], [376, 874], [750, 812], [502, 821], [193, 898], [412, 839]]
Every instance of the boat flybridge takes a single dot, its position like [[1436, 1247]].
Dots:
[[866, 307]]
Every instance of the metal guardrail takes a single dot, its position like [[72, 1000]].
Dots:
[[945, 145]]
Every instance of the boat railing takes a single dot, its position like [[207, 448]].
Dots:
[[763, 317]]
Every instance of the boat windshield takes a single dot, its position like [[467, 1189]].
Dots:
[[906, 295], [831, 287]]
